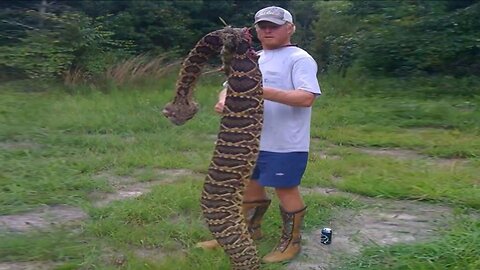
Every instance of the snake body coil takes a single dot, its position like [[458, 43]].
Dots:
[[237, 144]]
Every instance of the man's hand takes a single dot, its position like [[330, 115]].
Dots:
[[219, 106], [221, 101]]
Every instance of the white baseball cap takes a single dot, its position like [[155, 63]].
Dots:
[[276, 15]]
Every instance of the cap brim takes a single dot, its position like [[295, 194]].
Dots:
[[275, 21]]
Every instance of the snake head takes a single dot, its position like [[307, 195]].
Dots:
[[180, 113]]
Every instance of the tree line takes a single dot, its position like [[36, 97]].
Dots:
[[46, 39]]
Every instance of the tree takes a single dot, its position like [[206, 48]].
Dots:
[[335, 33], [422, 38]]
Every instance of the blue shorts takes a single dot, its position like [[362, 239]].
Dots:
[[280, 170]]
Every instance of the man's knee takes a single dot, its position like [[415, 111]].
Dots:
[[254, 191], [287, 190]]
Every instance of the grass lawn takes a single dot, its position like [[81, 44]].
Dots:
[[55, 147]]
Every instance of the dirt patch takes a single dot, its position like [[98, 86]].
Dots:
[[116, 180], [330, 191], [321, 155], [125, 192], [43, 218], [151, 254], [392, 152], [410, 154], [382, 222], [165, 175], [126, 139], [120, 258], [19, 145], [126, 187], [27, 265], [168, 175], [157, 254], [50, 217]]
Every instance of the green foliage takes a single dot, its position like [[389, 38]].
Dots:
[[431, 42], [94, 47], [84, 38], [170, 26], [155, 26], [66, 42], [333, 32], [397, 37], [39, 55]]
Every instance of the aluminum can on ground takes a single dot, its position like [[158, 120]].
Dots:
[[326, 236]]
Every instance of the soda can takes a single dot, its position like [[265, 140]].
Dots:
[[326, 236]]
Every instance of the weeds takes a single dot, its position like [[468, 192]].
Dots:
[[136, 69], [139, 68]]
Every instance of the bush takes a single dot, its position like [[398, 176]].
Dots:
[[437, 42], [70, 41]]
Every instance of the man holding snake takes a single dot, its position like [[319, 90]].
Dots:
[[290, 87]]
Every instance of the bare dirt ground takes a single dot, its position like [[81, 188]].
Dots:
[[129, 187], [410, 154], [381, 222], [50, 217], [19, 145], [43, 218], [27, 266]]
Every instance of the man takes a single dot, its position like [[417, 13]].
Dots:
[[290, 87]]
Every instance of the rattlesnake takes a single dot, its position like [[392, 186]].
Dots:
[[237, 144]]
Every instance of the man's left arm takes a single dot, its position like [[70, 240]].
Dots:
[[304, 78], [297, 97]]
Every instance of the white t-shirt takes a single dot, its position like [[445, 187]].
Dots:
[[287, 128]]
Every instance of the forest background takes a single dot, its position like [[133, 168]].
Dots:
[[80, 41]]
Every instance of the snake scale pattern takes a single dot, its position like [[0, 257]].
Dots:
[[237, 143]]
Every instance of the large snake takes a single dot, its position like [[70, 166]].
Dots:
[[237, 143]]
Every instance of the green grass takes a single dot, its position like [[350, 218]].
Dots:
[[54, 145], [419, 179], [457, 249], [434, 127]]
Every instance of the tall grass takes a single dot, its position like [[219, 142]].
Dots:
[[139, 68], [127, 71]]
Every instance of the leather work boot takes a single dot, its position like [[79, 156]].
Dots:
[[253, 213], [290, 241]]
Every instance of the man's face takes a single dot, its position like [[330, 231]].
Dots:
[[273, 36]]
